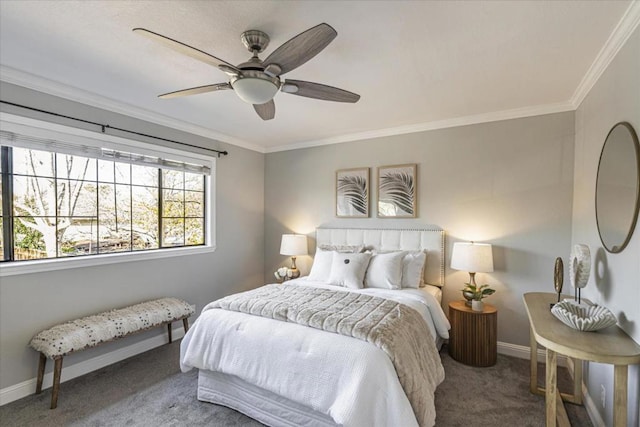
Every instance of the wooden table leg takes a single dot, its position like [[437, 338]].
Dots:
[[169, 331], [41, 366], [185, 323], [620, 395], [533, 375], [577, 381], [57, 371], [551, 387]]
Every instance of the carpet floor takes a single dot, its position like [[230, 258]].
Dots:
[[150, 390]]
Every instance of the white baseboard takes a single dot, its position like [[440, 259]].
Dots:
[[523, 352], [25, 388]]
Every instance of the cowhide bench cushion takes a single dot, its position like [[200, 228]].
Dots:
[[91, 331]]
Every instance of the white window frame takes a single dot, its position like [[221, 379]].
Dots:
[[19, 124]]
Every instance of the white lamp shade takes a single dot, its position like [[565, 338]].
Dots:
[[472, 257], [293, 244], [254, 90]]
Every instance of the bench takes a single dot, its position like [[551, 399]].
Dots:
[[91, 331]]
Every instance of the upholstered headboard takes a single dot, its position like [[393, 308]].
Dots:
[[429, 239]]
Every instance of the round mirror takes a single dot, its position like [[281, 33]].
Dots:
[[618, 187]]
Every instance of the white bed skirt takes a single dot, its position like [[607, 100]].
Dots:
[[257, 403]]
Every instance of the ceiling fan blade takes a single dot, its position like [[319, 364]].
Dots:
[[195, 90], [188, 50], [301, 48], [318, 91], [266, 111]]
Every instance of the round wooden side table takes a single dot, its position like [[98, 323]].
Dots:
[[473, 339]]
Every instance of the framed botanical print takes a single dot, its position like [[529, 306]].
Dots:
[[397, 191], [352, 193]]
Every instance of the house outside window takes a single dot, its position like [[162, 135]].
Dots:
[[76, 198]]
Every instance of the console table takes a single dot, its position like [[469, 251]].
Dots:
[[610, 345]]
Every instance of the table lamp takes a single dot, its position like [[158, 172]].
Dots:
[[293, 245], [472, 257]]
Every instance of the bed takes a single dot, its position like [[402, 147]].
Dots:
[[285, 374]]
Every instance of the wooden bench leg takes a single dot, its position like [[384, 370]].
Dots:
[[185, 323], [57, 370], [170, 332], [41, 365]]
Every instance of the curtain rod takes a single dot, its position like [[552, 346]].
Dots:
[[105, 127]]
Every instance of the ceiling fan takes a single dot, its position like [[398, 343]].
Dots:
[[256, 81]]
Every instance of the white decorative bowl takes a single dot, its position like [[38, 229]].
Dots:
[[583, 317]]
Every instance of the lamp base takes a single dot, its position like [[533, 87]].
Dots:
[[293, 273]]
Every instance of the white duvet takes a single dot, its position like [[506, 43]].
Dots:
[[352, 381]]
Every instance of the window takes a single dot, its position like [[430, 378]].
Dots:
[[67, 194]]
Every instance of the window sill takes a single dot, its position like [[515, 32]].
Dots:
[[47, 265]]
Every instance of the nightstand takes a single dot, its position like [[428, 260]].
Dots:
[[473, 339]]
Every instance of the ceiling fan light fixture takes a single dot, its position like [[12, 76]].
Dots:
[[255, 90]]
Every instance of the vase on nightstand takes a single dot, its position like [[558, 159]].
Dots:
[[477, 305]]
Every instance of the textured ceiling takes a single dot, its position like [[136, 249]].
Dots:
[[412, 62]]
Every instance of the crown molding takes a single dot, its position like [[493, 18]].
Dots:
[[41, 84], [495, 116], [51, 87], [619, 36]]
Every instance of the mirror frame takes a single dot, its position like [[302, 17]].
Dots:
[[632, 226]]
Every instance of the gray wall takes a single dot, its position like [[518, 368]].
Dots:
[[31, 302], [615, 283], [508, 183]]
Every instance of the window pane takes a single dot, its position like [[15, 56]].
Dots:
[[115, 218], [193, 181], [79, 236], [144, 175], [194, 231], [106, 171], [172, 179], [33, 162], [117, 242], [114, 202], [194, 204], [172, 232], [28, 238], [172, 205], [123, 173], [33, 196], [75, 167], [145, 217], [76, 198]]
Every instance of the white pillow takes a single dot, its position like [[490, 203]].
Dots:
[[413, 269], [321, 268], [385, 271], [347, 270]]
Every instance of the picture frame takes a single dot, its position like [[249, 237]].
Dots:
[[397, 191], [352, 193]]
